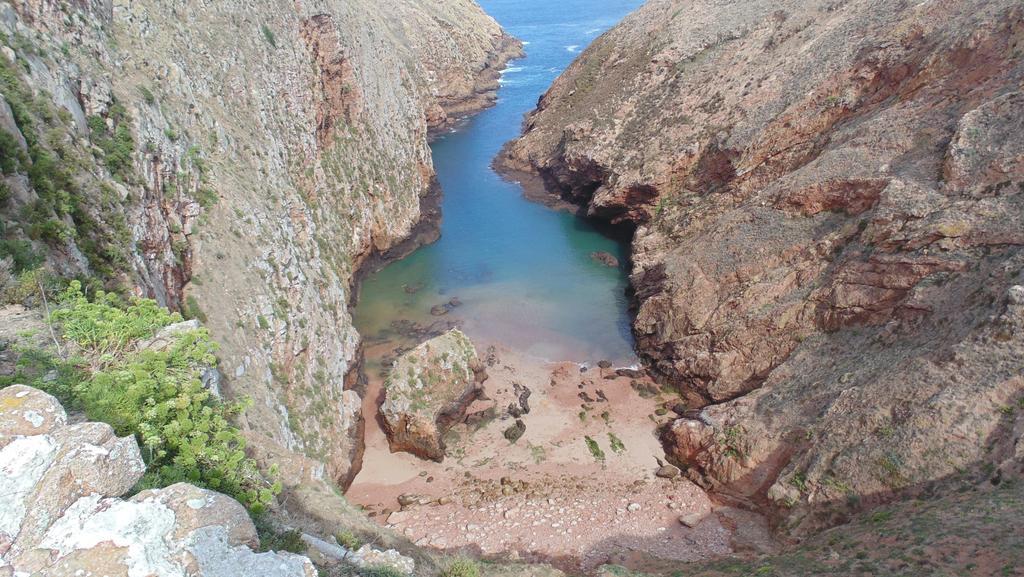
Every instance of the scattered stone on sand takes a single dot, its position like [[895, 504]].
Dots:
[[629, 373], [667, 472], [515, 431], [521, 405], [691, 519]]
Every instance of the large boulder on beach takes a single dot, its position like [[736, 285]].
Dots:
[[427, 391]]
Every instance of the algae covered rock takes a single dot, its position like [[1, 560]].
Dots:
[[427, 391]]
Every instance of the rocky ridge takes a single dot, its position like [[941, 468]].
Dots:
[[244, 161], [827, 248]]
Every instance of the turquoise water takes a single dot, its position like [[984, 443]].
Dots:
[[523, 272]]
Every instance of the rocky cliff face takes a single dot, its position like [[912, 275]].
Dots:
[[240, 162], [827, 207]]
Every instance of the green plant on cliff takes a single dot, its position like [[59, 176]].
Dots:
[[54, 164], [461, 567], [113, 135], [154, 393]]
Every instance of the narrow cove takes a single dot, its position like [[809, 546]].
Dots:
[[520, 279], [522, 274]]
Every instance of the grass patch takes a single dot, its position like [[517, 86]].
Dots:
[[461, 567], [349, 540]]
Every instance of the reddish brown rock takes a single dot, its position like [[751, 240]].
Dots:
[[825, 246], [427, 391]]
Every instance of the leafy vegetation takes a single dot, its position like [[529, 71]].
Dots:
[[59, 214], [379, 571], [21, 254], [113, 135], [461, 567], [272, 538], [147, 95], [349, 540], [153, 393], [12, 157]]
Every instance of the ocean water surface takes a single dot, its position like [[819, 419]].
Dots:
[[522, 273]]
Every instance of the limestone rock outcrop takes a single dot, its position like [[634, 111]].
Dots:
[[62, 514], [827, 203], [427, 391]]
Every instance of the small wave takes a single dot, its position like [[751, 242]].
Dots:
[[592, 31], [525, 42], [574, 48], [512, 69]]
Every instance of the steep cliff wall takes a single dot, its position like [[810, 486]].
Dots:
[[240, 161], [827, 201]]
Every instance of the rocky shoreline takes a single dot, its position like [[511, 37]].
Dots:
[[451, 109], [812, 246]]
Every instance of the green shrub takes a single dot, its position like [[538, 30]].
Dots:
[[616, 443], [349, 540], [12, 157], [25, 285], [193, 310], [207, 197], [461, 567], [21, 253], [117, 143], [56, 169], [273, 538], [157, 395], [147, 95]]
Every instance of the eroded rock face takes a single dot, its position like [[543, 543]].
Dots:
[[427, 391], [827, 201], [276, 148], [61, 513]]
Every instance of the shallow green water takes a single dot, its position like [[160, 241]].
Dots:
[[523, 272]]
